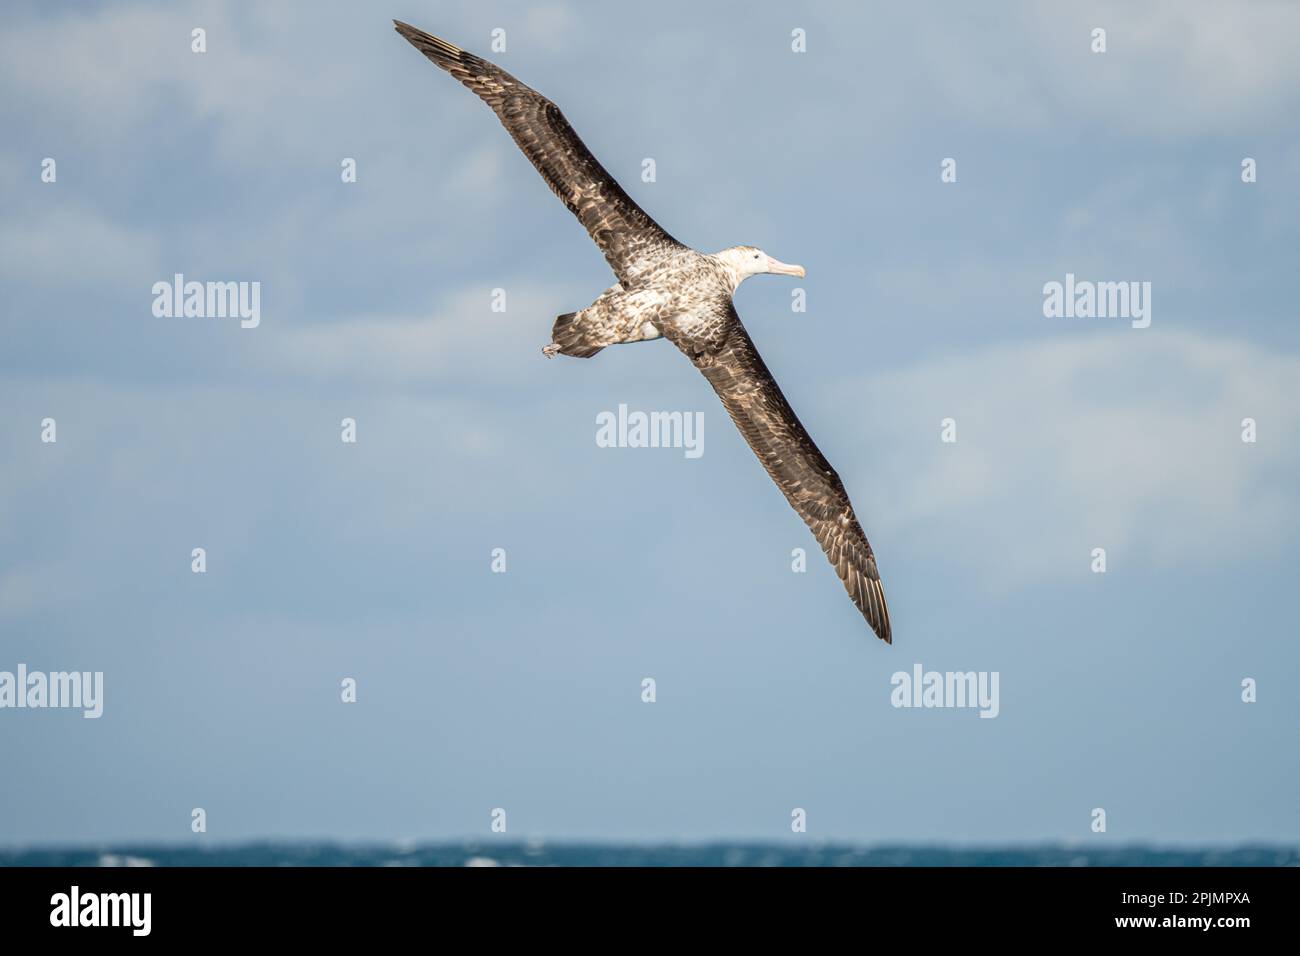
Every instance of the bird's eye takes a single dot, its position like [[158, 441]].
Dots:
[[756, 255]]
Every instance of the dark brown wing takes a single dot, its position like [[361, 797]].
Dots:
[[726, 355], [631, 241]]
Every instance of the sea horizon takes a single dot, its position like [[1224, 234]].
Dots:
[[586, 853]]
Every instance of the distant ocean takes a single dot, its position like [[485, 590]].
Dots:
[[578, 854]]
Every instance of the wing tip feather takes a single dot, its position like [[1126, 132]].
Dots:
[[868, 595], [428, 44]]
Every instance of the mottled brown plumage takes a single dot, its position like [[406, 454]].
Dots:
[[630, 239], [667, 289], [725, 353]]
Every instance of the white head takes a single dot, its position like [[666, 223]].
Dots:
[[746, 261]]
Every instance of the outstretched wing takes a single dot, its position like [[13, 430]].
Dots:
[[631, 241], [726, 355]]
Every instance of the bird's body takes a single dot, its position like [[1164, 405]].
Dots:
[[679, 293], [666, 289]]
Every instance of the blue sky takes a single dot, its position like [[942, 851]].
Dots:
[[523, 690]]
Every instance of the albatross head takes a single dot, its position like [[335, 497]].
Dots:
[[746, 261]]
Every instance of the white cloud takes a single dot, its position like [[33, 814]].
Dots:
[[457, 335], [1171, 68], [69, 244], [1120, 439]]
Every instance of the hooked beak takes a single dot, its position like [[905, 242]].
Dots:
[[777, 267]]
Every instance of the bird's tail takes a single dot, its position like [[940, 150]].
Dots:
[[568, 333]]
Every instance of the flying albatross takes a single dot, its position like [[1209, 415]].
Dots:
[[666, 289]]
